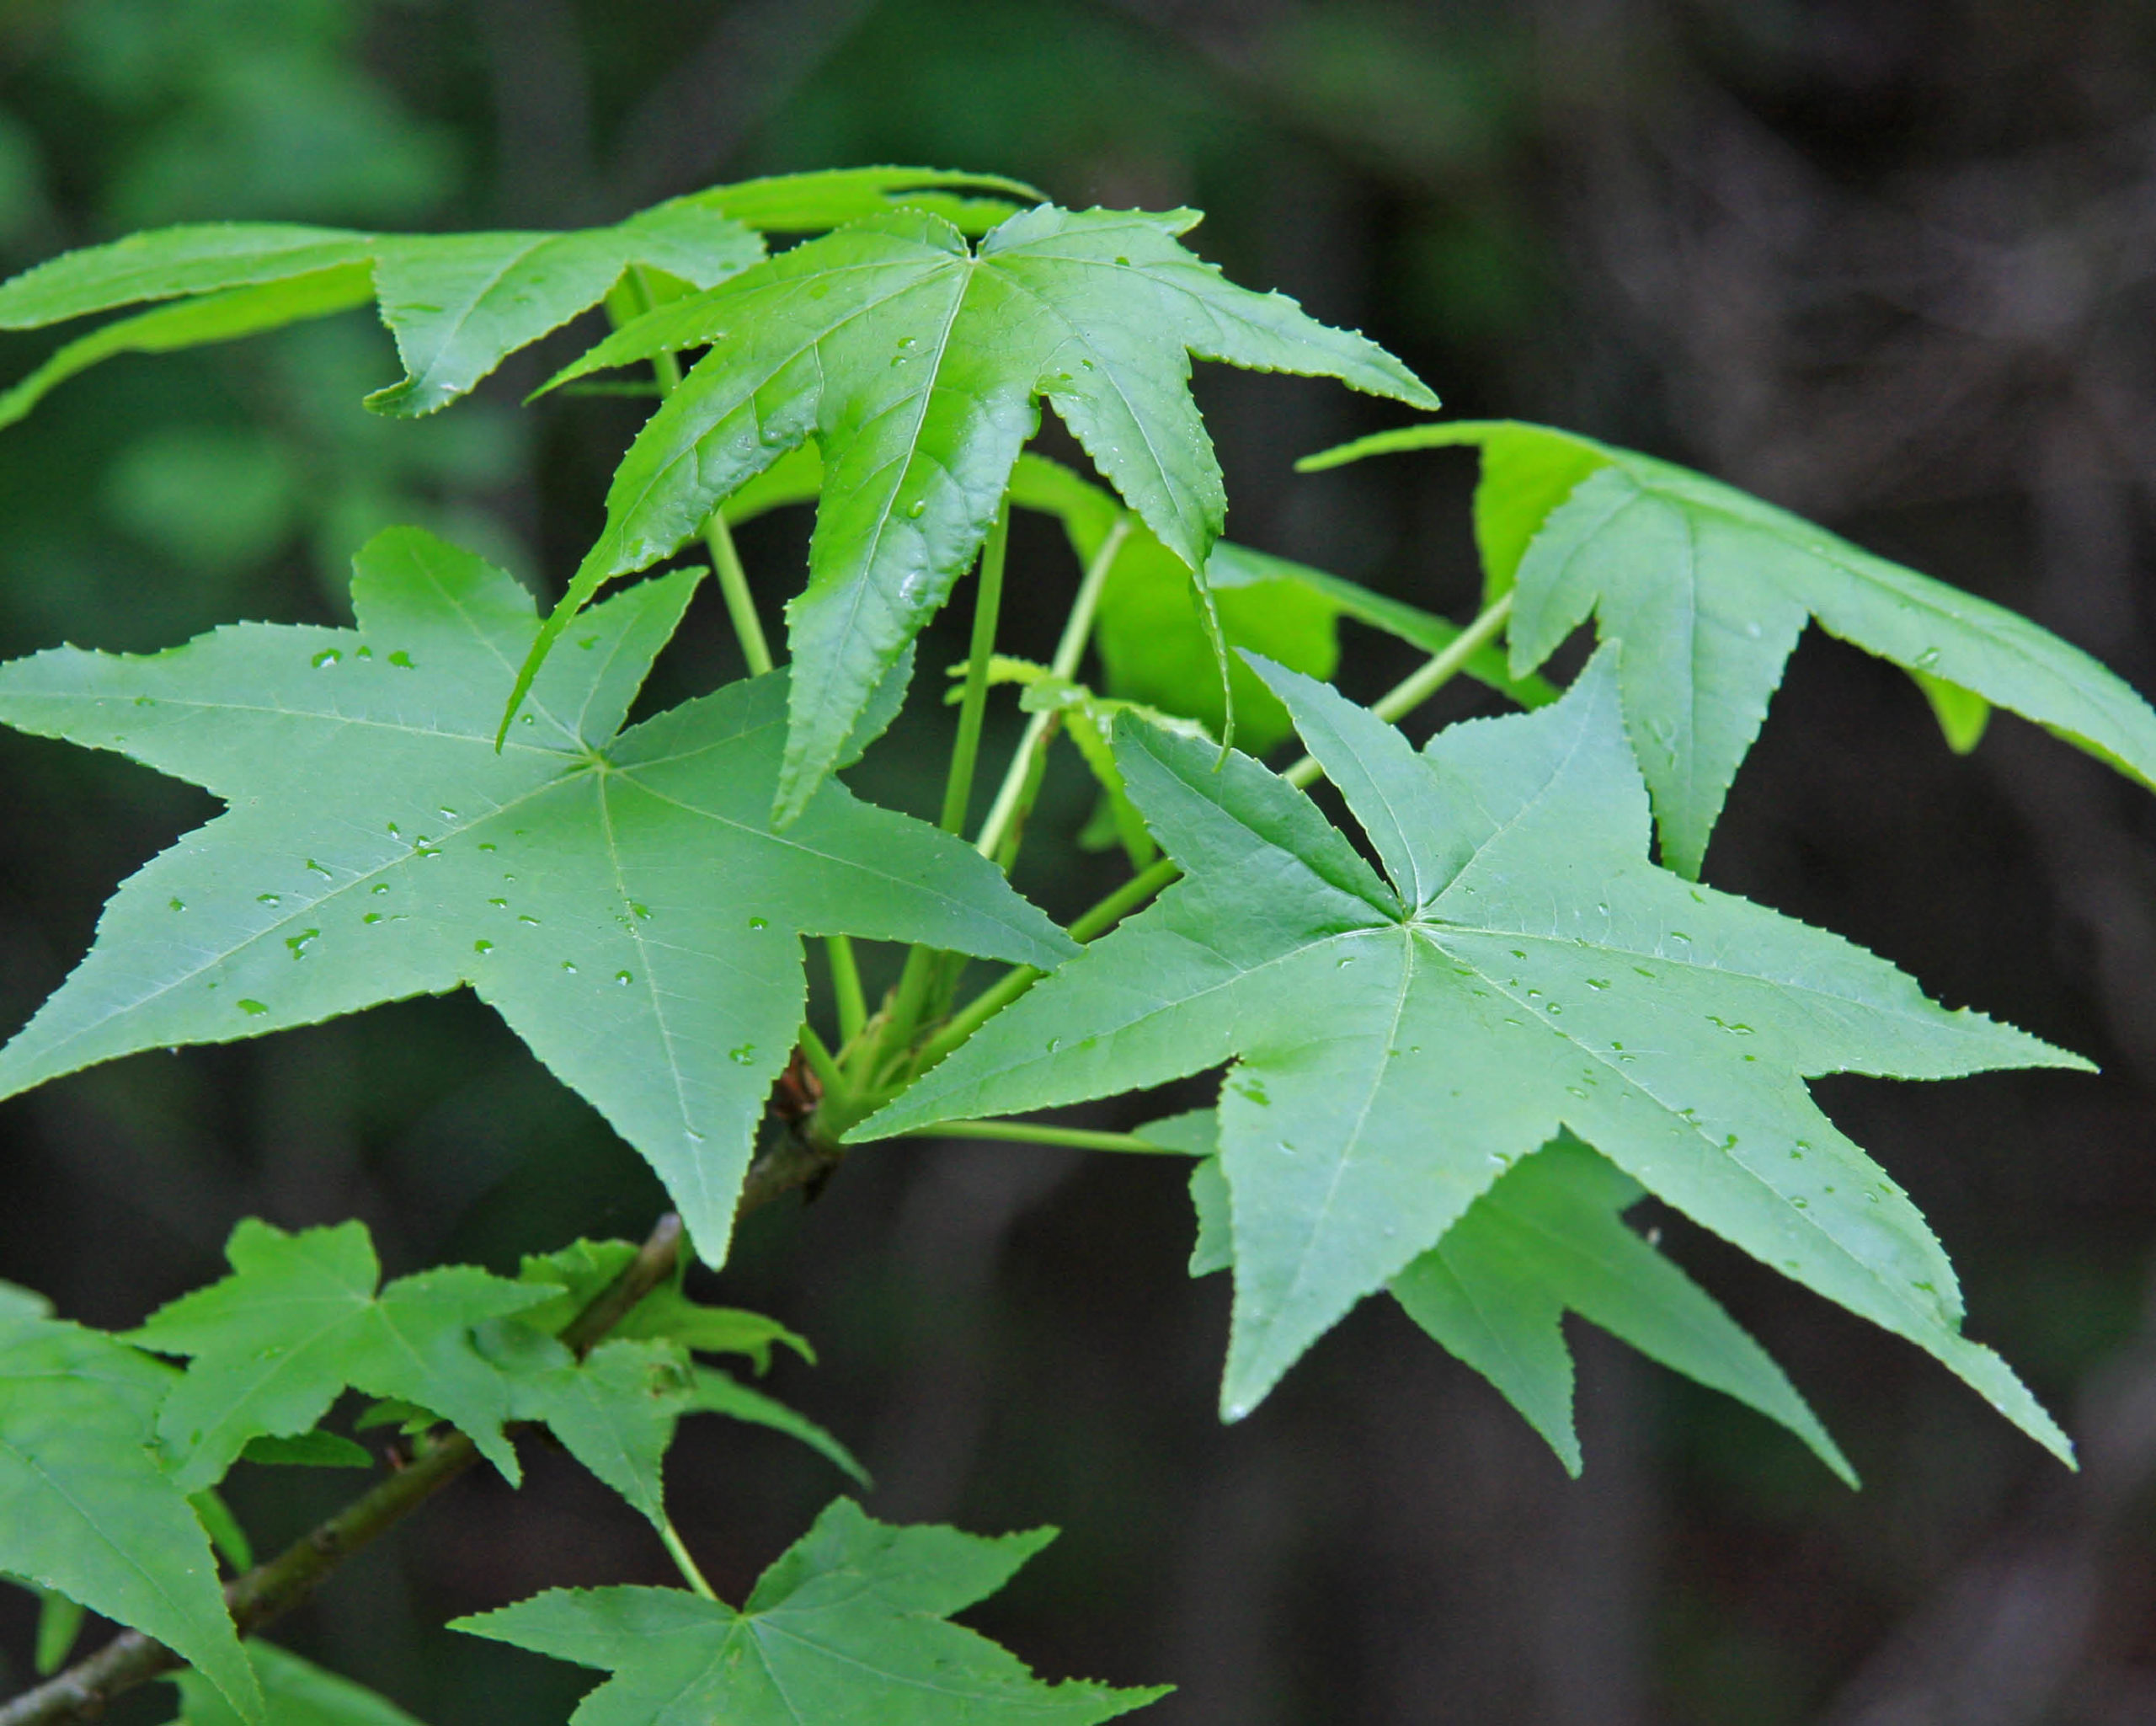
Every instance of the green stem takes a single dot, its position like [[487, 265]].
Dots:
[[984, 1006], [846, 985], [734, 584], [678, 1553], [820, 1060], [1418, 686], [1125, 899], [973, 704], [920, 975], [1025, 1132], [1077, 628], [733, 579]]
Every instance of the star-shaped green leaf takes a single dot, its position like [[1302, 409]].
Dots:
[[849, 1627], [85, 1508], [918, 364], [1708, 588], [1400, 1042], [619, 897], [299, 1320]]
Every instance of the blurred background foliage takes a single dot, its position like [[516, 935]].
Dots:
[[1887, 261]]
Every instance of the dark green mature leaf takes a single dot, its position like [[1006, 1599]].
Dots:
[[619, 897], [1401, 1042], [918, 364], [1708, 588], [297, 1692], [299, 1320], [85, 1508], [850, 1627], [1547, 1239]]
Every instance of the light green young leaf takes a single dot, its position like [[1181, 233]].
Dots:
[[1963, 716], [919, 364], [619, 897], [849, 1627], [1399, 1044], [298, 1692], [613, 1411], [1547, 1238], [85, 1508], [716, 1392], [22, 1303], [59, 1622], [299, 1320], [583, 1269], [1708, 589]]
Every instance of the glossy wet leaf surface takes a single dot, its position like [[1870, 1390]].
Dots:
[[918, 363], [620, 897]]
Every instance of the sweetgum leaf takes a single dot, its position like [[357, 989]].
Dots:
[[85, 1508], [1709, 588], [619, 897], [1547, 1239], [458, 304], [849, 1627], [1400, 1042], [299, 1320], [918, 364], [298, 1692]]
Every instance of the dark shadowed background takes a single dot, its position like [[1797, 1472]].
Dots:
[[1892, 263]]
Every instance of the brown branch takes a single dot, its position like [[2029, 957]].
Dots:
[[271, 1590]]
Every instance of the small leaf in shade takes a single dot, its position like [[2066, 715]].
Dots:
[[849, 1627]]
